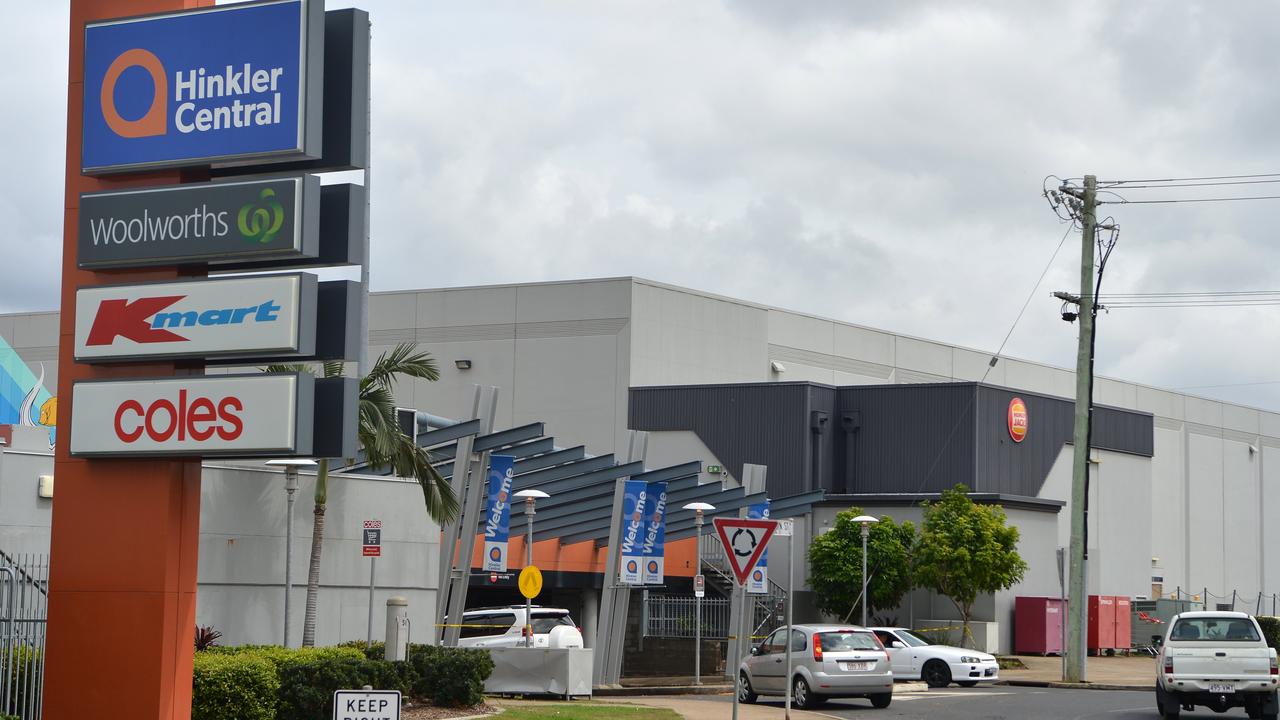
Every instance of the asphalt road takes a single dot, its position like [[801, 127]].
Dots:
[[1003, 702]]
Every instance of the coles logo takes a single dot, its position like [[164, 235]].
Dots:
[[143, 321], [1017, 419], [198, 418]]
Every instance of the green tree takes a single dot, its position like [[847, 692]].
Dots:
[[965, 550], [835, 564], [384, 444]]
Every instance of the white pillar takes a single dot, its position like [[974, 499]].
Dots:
[[590, 616]]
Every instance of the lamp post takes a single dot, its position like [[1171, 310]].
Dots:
[[290, 466], [866, 521], [529, 496], [698, 508]]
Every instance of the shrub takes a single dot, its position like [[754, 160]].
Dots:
[[460, 675], [22, 673], [1270, 630], [307, 686], [229, 686], [207, 637]]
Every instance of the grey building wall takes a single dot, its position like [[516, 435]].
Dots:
[[567, 353], [242, 546]]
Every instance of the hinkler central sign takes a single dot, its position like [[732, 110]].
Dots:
[[229, 415], [203, 222], [215, 85], [267, 315]]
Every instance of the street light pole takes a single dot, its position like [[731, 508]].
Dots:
[[290, 467], [866, 521], [698, 508], [529, 497]]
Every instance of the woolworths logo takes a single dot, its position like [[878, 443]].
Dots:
[[260, 221]]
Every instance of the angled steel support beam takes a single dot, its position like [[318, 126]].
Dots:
[[501, 439], [550, 459]]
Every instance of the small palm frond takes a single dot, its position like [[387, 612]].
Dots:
[[378, 428], [403, 359], [334, 368]]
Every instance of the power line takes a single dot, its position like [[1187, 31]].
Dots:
[[1207, 293], [964, 413], [1198, 184], [1189, 179], [1187, 200]]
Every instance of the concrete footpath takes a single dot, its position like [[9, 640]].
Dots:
[[1133, 672]]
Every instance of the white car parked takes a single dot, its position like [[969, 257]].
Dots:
[[505, 627], [915, 658]]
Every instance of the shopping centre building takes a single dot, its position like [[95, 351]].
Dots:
[[1180, 489]]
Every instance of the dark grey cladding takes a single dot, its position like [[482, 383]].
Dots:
[[882, 438]]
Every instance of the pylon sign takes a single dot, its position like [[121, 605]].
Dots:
[[744, 542]]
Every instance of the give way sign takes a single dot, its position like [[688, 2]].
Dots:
[[744, 542]]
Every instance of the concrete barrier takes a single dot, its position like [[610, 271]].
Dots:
[[540, 671]]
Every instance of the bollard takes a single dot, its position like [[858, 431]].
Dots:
[[397, 637]]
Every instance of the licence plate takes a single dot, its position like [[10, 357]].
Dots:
[[855, 666], [1221, 688]]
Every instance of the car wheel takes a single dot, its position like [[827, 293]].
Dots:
[[936, 674], [1167, 704], [967, 683], [745, 693], [802, 695], [881, 701]]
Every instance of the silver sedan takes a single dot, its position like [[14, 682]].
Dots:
[[827, 661]]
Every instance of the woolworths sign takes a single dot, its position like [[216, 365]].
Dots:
[[207, 222]]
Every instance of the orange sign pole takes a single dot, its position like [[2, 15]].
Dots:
[[122, 585]]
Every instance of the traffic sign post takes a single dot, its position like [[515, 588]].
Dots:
[[372, 549], [744, 542]]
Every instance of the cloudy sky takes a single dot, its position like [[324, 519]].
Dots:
[[875, 162]]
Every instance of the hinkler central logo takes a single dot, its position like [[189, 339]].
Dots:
[[231, 97]]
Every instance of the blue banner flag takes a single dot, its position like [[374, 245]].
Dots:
[[635, 496], [758, 582], [653, 548], [497, 514]]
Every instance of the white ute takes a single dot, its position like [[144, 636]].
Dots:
[[1218, 660]]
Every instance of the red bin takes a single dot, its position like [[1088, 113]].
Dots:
[[1102, 622], [1037, 625], [1124, 623]]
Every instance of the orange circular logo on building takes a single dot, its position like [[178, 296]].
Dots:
[[1017, 419]]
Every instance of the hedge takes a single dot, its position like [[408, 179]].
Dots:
[[233, 687], [304, 679], [1270, 630], [24, 668]]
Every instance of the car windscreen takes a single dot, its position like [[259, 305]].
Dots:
[[544, 623], [839, 640], [912, 639], [1210, 629], [486, 625]]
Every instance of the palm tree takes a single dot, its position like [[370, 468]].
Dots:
[[384, 445]]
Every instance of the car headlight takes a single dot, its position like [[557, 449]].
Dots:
[[969, 659]]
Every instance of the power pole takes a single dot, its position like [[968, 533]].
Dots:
[[1078, 607]]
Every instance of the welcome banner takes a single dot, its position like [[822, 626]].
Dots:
[[636, 494], [758, 582], [653, 549], [497, 514]]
